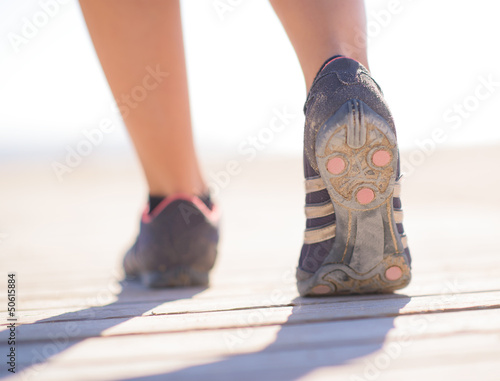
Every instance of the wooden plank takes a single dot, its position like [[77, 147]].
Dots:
[[216, 299], [96, 322], [404, 329], [267, 364]]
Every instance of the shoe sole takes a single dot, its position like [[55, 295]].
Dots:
[[177, 277], [357, 157]]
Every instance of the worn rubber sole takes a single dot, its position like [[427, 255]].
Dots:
[[357, 157]]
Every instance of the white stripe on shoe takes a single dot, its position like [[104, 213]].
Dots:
[[398, 216], [319, 210], [397, 189], [314, 184], [319, 235], [404, 241]]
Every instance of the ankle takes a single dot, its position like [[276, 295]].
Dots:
[[156, 200], [170, 186]]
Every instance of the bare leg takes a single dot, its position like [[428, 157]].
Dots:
[[130, 36], [320, 29]]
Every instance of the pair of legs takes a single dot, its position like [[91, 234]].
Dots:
[[354, 241], [132, 35]]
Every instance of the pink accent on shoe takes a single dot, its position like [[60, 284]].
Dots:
[[321, 289], [329, 62], [336, 165], [393, 273], [211, 214], [381, 158], [365, 196]]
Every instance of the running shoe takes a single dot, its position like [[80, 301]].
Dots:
[[354, 240], [176, 245]]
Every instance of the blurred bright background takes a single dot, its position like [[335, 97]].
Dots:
[[427, 56]]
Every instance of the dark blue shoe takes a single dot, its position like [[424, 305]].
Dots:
[[354, 240], [176, 245]]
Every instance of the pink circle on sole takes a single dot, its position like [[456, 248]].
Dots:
[[365, 196], [381, 158], [321, 289], [336, 165], [393, 273]]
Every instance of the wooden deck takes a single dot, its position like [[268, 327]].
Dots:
[[78, 322]]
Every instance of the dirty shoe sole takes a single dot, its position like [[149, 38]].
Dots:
[[357, 157]]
